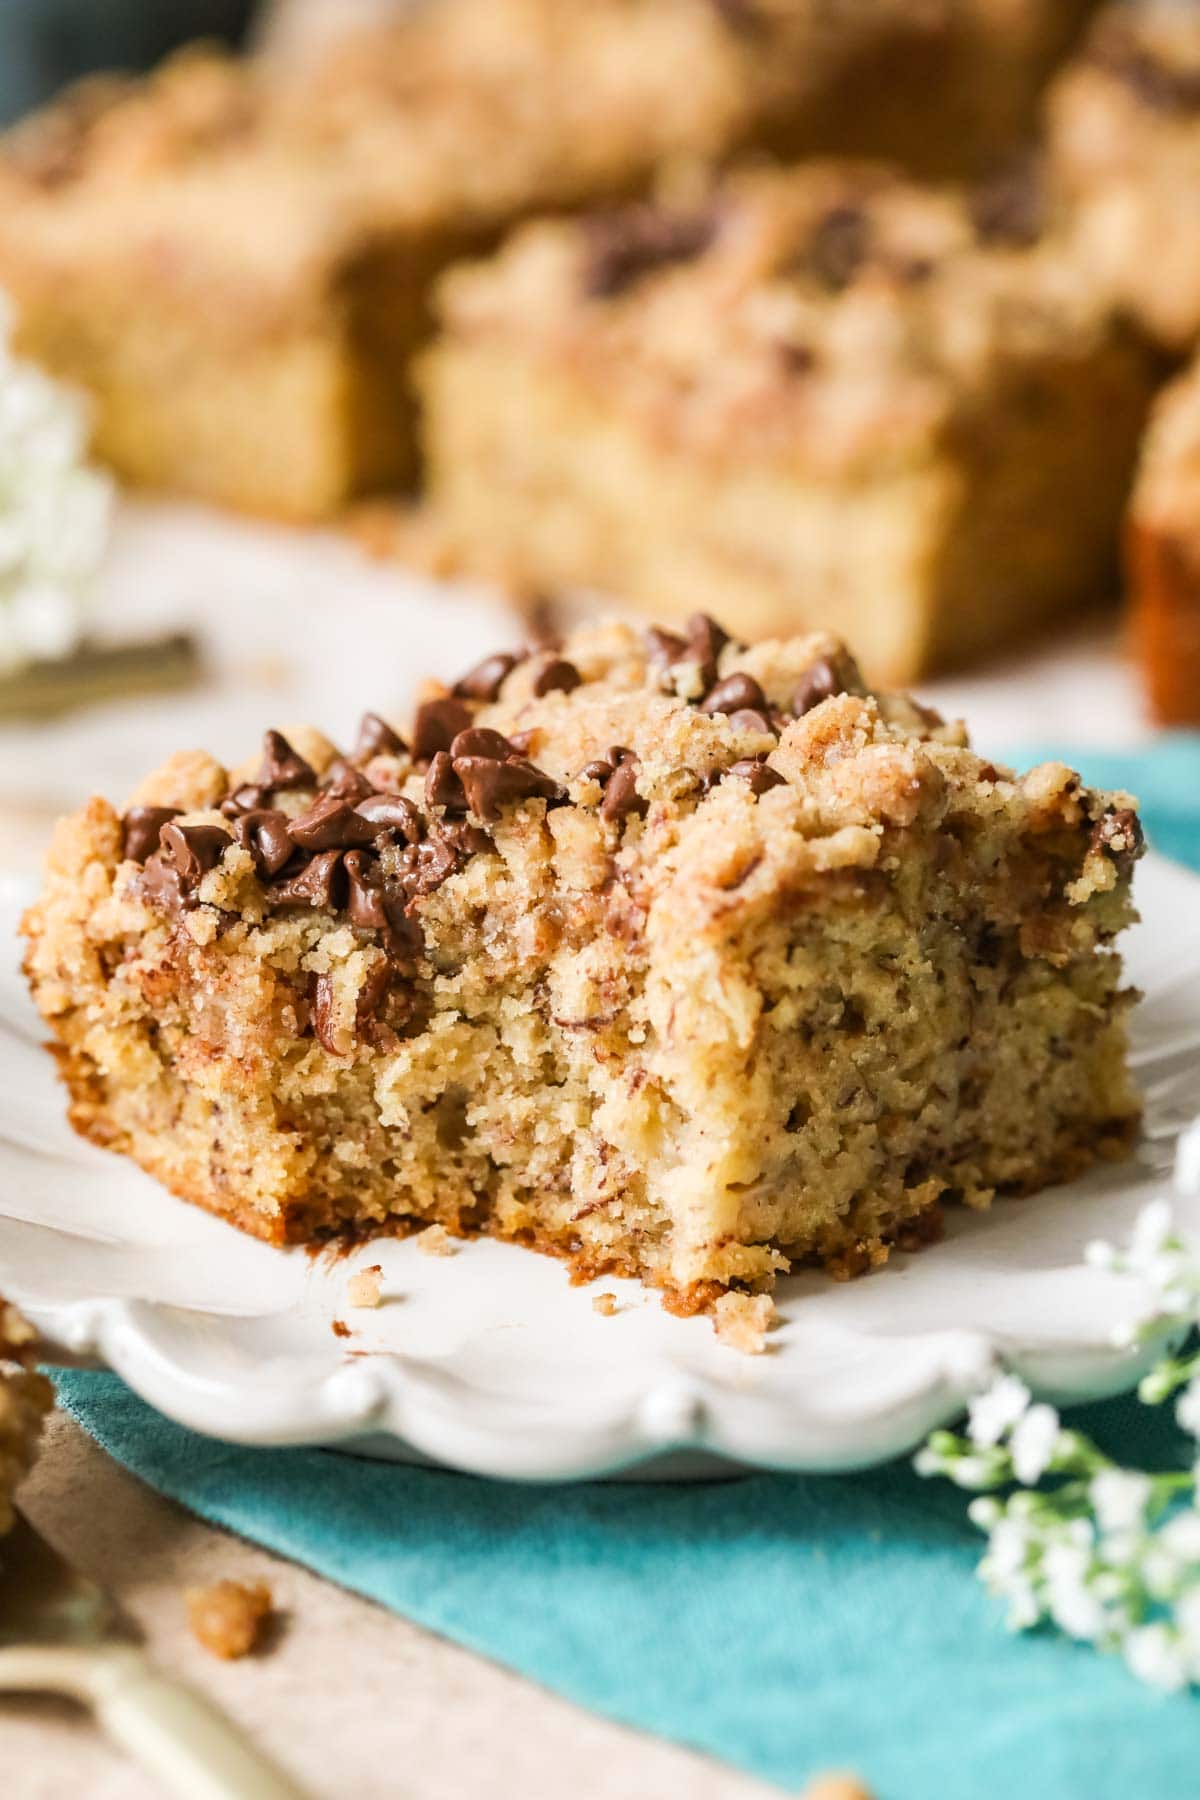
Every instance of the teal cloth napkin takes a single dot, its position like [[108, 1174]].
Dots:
[[786, 1624]]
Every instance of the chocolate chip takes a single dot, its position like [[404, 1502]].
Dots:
[[140, 828], [601, 767], [159, 885], [490, 785], [664, 647], [796, 359], [345, 782], [1010, 208], [477, 740], [556, 676], [820, 681], [392, 812], [624, 245], [1117, 48], [751, 718], [331, 824], [837, 247], [372, 994], [376, 738], [319, 883], [705, 642], [266, 836], [463, 839], [424, 867], [621, 795], [742, 16], [437, 724], [759, 776], [283, 767], [734, 694], [364, 901], [442, 786], [247, 798], [485, 680], [192, 850], [322, 1014], [1118, 834]]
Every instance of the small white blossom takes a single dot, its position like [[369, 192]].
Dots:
[[992, 1415], [1033, 1443], [1154, 1654], [1180, 1537], [54, 513], [1119, 1499]]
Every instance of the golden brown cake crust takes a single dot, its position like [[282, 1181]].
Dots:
[[678, 958], [25, 1399]]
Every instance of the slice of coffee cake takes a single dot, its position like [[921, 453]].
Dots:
[[680, 959]]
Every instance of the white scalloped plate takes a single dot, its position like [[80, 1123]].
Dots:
[[489, 1360]]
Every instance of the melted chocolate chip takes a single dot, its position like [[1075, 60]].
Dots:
[[751, 718], [392, 812], [321, 1004], [442, 785], [345, 782], [735, 694], [140, 828], [266, 836], [192, 850], [320, 883], [556, 676], [758, 775], [601, 767], [837, 247], [490, 785], [633, 241], [1118, 834], [331, 824], [247, 798], [437, 724], [364, 901], [705, 642], [463, 839], [424, 867], [376, 738], [621, 797], [159, 885], [485, 680], [819, 682], [477, 740], [283, 767]]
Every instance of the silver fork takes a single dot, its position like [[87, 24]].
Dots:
[[61, 1633]]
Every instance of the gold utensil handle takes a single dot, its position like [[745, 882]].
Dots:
[[174, 1733]]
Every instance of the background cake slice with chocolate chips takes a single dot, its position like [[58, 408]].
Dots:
[[823, 398], [675, 957], [1123, 156]]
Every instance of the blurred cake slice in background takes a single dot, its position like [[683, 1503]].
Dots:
[[822, 399], [1123, 131], [1163, 555], [235, 258], [25, 1399]]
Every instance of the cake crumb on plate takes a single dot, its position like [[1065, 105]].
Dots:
[[742, 1321], [605, 1304], [435, 1240], [228, 1617], [365, 1287]]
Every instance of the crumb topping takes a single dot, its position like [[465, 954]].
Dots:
[[819, 313]]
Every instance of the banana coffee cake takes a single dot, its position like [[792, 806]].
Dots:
[[680, 959], [823, 398]]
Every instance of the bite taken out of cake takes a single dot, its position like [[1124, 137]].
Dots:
[[679, 959]]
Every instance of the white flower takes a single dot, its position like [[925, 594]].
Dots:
[[1187, 1161], [1032, 1443], [1187, 1408], [1119, 1498], [1151, 1230], [1180, 1537], [1155, 1656], [993, 1414]]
